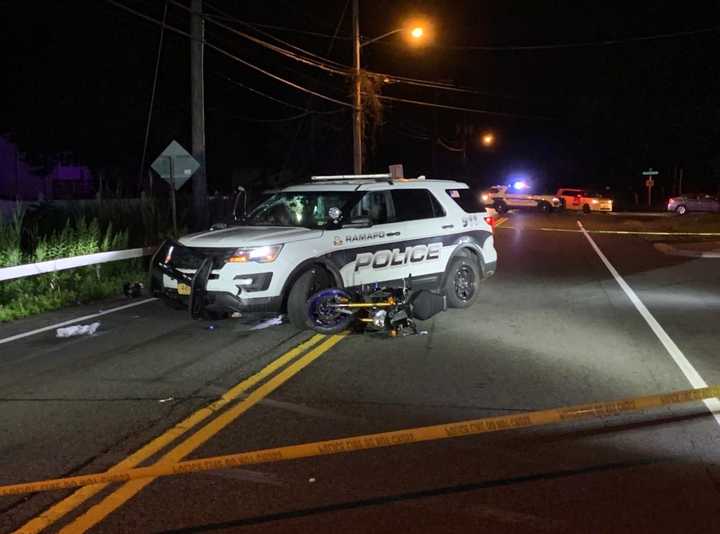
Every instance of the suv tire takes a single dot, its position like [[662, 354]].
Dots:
[[544, 207], [462, 282], [307, 284], [586, 208], [501, 207], [681, 209]]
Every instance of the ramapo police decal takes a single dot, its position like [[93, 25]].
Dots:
[[366, 236], [383, 259]]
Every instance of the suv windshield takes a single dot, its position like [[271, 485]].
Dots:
[[307, 209]]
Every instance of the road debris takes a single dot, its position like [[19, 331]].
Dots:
[[132, 290], [77, 330], [275, 321]]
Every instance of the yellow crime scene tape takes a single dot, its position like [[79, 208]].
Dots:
[[614, 232], [373, 441]]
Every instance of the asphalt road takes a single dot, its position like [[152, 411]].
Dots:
[[553, 328]]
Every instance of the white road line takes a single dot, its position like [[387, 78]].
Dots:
[[696, 381], [71, 321]]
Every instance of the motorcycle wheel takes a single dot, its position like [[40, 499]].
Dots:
[[323, 317]]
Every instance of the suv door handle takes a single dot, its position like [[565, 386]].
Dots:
[[448, 226], [392, 234]]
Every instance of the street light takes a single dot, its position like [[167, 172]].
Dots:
[[416, 32], [488, 139]]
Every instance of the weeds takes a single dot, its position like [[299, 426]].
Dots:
[[79, 236]]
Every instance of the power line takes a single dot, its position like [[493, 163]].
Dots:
[[586, 44], [270, 97], [337, 27], [229, 18], [282, 119], [457, 108], [230, 55], [233, 57], [154, 90], [394, 78], [324, 64], [309, 100], [225, 15], [443, 144], [265, 95], [390, 78]]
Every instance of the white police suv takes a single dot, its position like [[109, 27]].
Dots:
[[337, 231]]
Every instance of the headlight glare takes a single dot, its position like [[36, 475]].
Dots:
[[264, 254]]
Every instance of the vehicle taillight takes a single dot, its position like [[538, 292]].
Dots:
[[491, 221]]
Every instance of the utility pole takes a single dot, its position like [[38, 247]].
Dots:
[[357, 95], [199, 180], [434, 139]]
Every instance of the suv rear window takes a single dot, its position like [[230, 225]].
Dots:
[[469, 202], [414, 204]]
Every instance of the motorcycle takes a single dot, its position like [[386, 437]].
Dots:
[[384, 309]]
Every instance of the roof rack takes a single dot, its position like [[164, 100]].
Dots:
[[337, 177]]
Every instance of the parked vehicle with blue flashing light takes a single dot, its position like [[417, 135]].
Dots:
[[503, 198]]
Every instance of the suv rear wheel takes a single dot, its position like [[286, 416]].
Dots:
[[681, 209], [544, 207], [462, 282]]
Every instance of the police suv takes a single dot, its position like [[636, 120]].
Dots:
[[337, 231]]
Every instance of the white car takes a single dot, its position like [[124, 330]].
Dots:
[[333, 232], [579, 199]]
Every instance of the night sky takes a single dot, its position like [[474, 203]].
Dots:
[[78, 77]]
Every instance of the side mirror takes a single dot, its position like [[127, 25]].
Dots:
[[240, 206], [358, 222]]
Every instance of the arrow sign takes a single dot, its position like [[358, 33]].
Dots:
[[175, 165]]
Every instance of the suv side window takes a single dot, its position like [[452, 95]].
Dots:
[[467, 200], [376, 206], [415, 204]]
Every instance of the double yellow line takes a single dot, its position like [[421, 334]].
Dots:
[[310, 350]]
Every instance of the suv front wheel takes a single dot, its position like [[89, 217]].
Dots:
[[307, 284], [462, 282]]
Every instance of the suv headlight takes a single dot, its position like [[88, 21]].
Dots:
[[265, 254]]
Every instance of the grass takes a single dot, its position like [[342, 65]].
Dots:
[[79, 235]]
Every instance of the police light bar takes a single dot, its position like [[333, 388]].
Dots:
[[385, 176]]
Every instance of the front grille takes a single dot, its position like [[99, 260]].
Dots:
[[192, 257]]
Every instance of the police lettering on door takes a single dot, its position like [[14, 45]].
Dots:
[[382, 259]]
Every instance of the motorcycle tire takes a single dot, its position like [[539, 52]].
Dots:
[[322, 318]]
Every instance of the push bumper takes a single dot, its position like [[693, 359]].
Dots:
[[172, 256]]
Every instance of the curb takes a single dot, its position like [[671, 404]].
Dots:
[[671, 250]]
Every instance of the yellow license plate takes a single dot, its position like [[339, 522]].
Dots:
[[183, 289]]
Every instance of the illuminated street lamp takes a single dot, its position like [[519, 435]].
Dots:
[[488, 139], [416, 32]]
